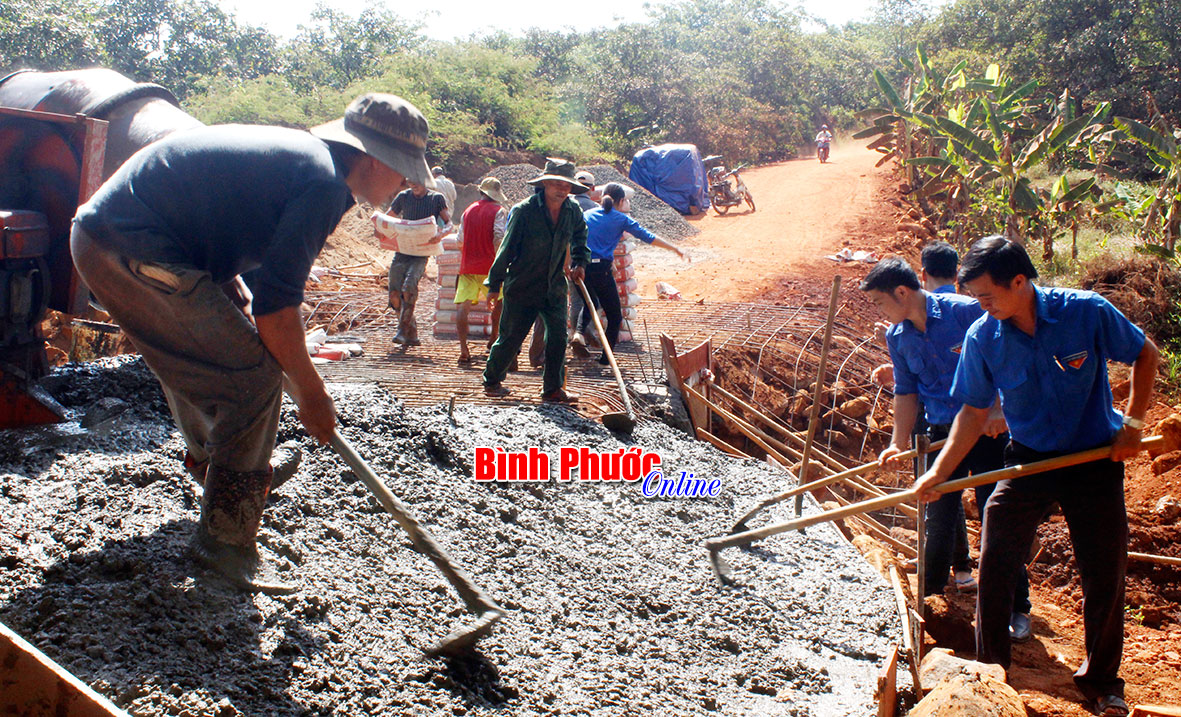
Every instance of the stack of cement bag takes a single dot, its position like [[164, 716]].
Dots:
[[446, 310], [625, 279], [480, 317]]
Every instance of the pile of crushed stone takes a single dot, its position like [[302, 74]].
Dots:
[[613, 608], [658, 217]]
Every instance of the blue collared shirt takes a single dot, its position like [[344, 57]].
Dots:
[[925, 361], [1053, 385], [604, 230], [945, 289]]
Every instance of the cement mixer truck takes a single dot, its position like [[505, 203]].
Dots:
[[61, 135]]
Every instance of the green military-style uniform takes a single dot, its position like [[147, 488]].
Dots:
[[530, 266]]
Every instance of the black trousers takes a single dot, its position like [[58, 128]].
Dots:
[[947, 535], [600, 284], [1092, 500]]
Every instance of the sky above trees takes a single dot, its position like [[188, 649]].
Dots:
[[452, 19]]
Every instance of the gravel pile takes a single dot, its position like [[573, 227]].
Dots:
[[613, 607], [658, 217]]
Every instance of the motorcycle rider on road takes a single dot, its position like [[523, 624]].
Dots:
[[823, 140]]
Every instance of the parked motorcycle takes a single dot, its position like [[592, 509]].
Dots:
[[724, 193]]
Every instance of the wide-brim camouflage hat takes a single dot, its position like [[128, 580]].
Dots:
[[387, 128], [561, 170]]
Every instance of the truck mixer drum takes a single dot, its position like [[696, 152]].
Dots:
[[54, 153]]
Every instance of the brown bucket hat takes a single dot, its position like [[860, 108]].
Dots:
[[387, 128], [491, 186], [561, 170]]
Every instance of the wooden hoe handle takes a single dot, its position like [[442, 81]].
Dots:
[[866, 506]]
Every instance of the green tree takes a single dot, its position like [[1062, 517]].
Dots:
[[336, 49], [48, 35]]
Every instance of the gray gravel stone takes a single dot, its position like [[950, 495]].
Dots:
[[614, 609], [652, 213]]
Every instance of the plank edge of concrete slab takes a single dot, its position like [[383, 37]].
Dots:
[[36, 679]]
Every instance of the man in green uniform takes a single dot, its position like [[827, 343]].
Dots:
[[530, 265]]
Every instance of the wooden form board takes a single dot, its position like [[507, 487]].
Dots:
[[33, 684], [685, 370]]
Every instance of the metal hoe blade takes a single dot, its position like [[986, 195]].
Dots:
[[618, 422], [465, 638], [720, 567]]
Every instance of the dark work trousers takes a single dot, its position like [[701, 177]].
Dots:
[[1092, 500], [576, 304], [600, 284], [516, 319], [224, 388], [947, 534]]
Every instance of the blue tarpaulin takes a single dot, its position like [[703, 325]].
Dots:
[[674, 173]]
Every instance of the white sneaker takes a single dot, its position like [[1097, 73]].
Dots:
[[578, 345]]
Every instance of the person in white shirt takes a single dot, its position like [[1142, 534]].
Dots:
[[445, 187]]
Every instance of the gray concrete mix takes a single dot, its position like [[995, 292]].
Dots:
[[613, 607]]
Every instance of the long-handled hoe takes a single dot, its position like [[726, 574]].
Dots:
[[862, 469], [716, 545], [477, 601], [621, 421]]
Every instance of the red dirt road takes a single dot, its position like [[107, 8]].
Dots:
[[804, 210]]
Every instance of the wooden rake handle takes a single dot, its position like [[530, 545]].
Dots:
[[476, 600], [828, 480], [853, 472], [866, 506]]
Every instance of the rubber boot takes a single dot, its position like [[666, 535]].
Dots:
[[407, 319], [400, 336], [231, 508], [397, 303], [284, 463]]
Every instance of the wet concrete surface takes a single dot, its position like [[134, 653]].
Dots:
[[613, 608]]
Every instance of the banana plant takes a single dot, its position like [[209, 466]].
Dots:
[[927, 91], [984, 140], [1162, 214], [1069, 205]]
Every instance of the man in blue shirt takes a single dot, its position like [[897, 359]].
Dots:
[[924, 340], [939, 261], [1046, 351], [163, 244]]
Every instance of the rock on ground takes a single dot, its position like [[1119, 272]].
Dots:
[[613, 607], [976, 695]]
